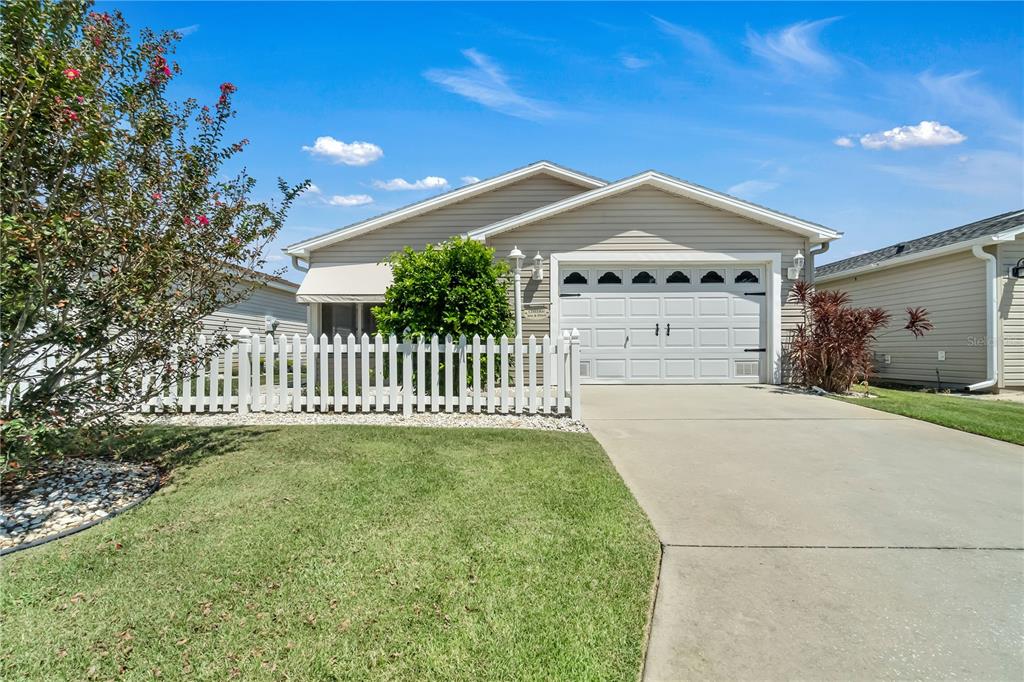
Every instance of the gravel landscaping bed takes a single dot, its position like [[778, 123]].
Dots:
[[68, 495], [441, 419]]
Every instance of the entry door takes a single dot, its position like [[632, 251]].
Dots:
[[676, 324]]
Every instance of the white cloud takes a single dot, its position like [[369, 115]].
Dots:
[[312, 189], [486, 83], [400, 184], [995, 174], [794, 45], [751, 188], [844, 142], [693, 41], [924, 134], [350, 154], [631, 61], [961, 93], [349, 200], [187, 30], [469, 179]]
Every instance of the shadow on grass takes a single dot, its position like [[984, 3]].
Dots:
[[176, 447]]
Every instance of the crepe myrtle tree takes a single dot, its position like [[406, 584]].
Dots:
[[456, 288], [122, 228], [833, 346]]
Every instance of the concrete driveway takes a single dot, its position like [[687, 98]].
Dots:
[[809, 538]]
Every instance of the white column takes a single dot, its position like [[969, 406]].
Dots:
[[519, 302]]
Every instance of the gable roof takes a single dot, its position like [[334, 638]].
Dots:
[[302, 249], [996, 228], [817, 233]]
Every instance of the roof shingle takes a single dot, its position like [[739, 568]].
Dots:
[[980, 228]]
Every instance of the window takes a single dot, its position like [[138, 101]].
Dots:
[[678, 277], [746, 277], [712, 277], [347, 318], [644, 277], [609, 278], [574, 278]]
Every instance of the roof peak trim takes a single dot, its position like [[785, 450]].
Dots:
[[670, 184], [302, 248]]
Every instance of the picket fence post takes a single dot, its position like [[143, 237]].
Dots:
[[574, 370], [406, 377], [244, 355]]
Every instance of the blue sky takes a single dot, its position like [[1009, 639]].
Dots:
[[886, 121]]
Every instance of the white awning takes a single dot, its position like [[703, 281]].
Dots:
[[363, 282]]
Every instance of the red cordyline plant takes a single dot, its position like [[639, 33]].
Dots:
[[833, 347]]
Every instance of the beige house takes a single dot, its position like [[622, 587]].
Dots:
[[667, 281], [270, 309], [966, 279]]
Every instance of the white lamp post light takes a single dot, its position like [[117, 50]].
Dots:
[[538, 267], [798, 266], [517, 257]]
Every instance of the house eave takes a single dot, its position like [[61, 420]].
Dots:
[[815, 233], [302, 249], [966, 245]]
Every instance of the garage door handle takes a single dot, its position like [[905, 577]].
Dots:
[[655, 328], [668, 329]]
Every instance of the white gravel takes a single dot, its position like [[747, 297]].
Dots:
[[438, 419], [68, 494]]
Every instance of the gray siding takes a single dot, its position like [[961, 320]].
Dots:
[[1011, 314], [644, 219], [952, 288], [251, 313], [443, 223]]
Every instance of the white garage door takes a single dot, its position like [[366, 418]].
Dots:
[[678, 324]]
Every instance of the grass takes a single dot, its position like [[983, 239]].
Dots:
[[347, 552], [1002, 420]]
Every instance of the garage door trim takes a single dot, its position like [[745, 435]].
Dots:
[[771, 260]]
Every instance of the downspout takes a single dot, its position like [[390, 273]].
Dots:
[[295, 264], [814, 253], [991, 321]]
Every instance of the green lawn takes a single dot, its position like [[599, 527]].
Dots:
[[347, 552], [1002, 420]]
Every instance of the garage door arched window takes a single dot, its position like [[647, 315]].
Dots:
[[746, 277], [644, 277], [609, 278], [574, 278], [712, 277], [678, 277]]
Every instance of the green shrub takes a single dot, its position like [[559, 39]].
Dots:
[[452, 288]]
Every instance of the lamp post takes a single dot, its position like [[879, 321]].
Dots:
[[798, 266], [517, 257]]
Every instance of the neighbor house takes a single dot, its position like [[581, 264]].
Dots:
[[966, 279], [271, 308], [666, 281]]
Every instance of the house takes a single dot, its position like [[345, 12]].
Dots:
[[966, 278], [271, 308], [667, 281]]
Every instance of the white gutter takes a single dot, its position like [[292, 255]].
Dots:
[[991, 320], [295, 264]]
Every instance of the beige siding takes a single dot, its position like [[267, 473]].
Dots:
[[446, 222], [952, 288], [251, 313], [1011, 314], [645, 219]]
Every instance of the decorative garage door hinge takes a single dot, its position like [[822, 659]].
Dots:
[[755, 350], [753, 293]]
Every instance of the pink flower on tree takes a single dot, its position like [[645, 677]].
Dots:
[[72, 74], [157, 196], [203, 220], [225, 90]]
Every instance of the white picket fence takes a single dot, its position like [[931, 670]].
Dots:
[[295, 374]]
